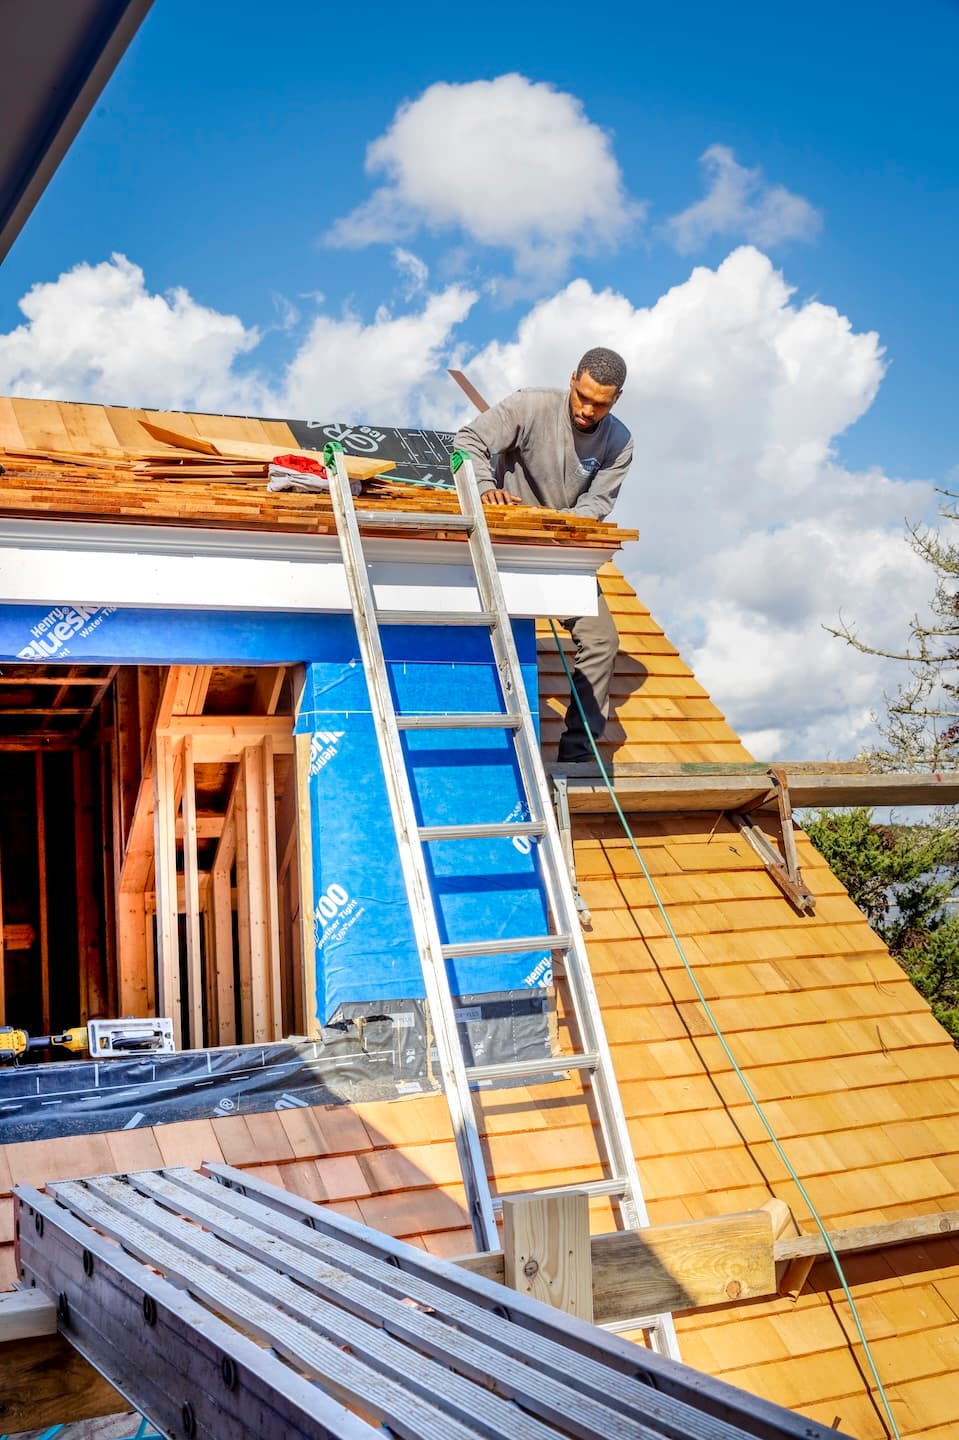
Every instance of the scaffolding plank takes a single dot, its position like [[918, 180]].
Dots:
[[219, 1315], [164, 1351]]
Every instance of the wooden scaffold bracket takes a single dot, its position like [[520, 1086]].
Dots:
[[782, 864]]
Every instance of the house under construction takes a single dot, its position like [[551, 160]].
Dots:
[[313, 982], [197, 827]]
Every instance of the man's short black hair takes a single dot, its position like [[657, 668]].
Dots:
[[605, 366]]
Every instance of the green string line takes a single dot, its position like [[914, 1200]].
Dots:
[[728, 1052]]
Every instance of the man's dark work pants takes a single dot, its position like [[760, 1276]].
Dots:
[[597, 644]]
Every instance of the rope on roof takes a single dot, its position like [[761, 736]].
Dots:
[[777, 1145]]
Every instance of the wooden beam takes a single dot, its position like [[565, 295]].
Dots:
[[107, 874], [191, 886], [638, 1273], [289, 903], [138, 855], [135, 987], [47, 711], [732, 790], [92, 977], [29, 681], [247, 729], [546, 1251], [98, 698], [871, 1237], [46, 1382], [270, 889], [35, 741], [243, 919], [168, 943], [43, 919], [267, 689], [26, 1315], [259, 845], [222, 739], [3, 954], [208, 825], [181, 685], [183, 693], [222, 912], [717, 1262], [304, 871], [222, 954], [19, 937], [149, 685], [128, 761]]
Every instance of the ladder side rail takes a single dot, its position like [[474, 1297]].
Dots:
[[592, 1033], [425, 929], [556, 879]]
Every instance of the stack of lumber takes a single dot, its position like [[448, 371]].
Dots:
[[160, 484]]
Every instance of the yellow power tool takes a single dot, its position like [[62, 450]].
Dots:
[[14, 1043]]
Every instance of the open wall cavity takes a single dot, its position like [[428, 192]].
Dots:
[[149, 849]]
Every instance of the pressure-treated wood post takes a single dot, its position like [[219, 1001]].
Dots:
[[546, 1247]]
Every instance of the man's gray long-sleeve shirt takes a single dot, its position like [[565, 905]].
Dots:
[[543, 459]]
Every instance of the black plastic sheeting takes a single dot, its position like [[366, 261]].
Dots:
[[422, 454], [367, 1052]]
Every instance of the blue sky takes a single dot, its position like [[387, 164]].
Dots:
[[773, 433], [233, 132]]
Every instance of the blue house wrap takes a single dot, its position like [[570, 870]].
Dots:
[[484, 889], [132, 635]]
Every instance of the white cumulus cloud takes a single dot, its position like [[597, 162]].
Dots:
[[753, 535], [97, 333], [508, 163], [346, 368], [740, 204]]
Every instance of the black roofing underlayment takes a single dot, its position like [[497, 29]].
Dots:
[[366, 1053]]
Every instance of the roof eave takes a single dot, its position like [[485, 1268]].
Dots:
[[74, 80]]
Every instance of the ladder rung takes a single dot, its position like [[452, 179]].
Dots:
[[406, 520], [517, 946], [496, 720], [485, 618], [530, 1069], [482, 832], [588, 1187]]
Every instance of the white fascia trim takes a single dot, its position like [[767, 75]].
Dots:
[[49, 562]]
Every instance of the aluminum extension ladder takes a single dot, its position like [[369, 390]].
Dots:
[[594, 1061]]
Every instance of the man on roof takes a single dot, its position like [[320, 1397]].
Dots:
[[564, 450]]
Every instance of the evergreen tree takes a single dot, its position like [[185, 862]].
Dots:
[[902, 877]]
